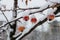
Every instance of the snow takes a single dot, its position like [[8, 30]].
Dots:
[[33, 3], [8, 15], [39, 17], [27, 12], [21, 4], [57, 1], [58, 19], [8, 3], [41, 3], [58, 14], [44, 27]]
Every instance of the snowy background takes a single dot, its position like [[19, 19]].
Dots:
[[34, 3]]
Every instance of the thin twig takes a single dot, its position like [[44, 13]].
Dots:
[[29, 14], [21, 9], [6, 19], [39, 23]]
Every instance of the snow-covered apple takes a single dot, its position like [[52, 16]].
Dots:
[[33, 20], [51, 17], [21, 28], [26, 18]]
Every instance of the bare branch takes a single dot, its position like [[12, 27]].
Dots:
[[6, 18], [21, 9], [39, 23], [29, 14], [57, 16]]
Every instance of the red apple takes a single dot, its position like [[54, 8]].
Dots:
[[33, 20], [51, 17], [26, 18]]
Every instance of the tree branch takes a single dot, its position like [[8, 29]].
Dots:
[[21, 9], [39, 23], [29, 14], [6, 19]]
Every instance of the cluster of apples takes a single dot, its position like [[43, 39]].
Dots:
[[26, 18], [33, 19]]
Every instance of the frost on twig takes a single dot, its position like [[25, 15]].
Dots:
[[39, 23]]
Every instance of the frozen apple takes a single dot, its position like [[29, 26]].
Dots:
[[51, 17], [26, 18], [33, 20], [21, 28]]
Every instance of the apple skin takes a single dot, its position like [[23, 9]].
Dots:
[[26, 18], [33, 20], [51, 17], [21, 28]]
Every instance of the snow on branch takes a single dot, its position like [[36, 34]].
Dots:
[[39, 23], [21, 9], [6, 18], [29, 14], [22, 17], [29, 8]]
